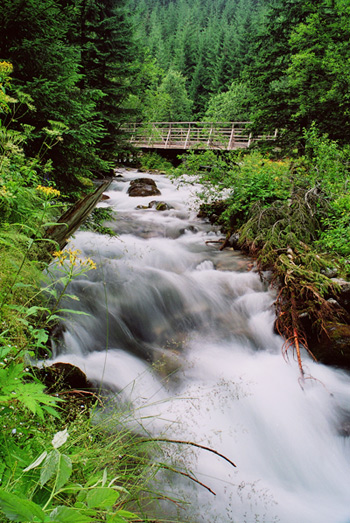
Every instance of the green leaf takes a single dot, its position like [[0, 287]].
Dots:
[[41, 336], [101, 497], [64, 471], [63, 514], [50, 467], [51, 224], [104, 477], [72, 297], [73, 488], [18, 509], [34, 310], [51, 410], [21, 285], [121, 517], [126, 514], [60, 438], [4, 351], [81, 313]]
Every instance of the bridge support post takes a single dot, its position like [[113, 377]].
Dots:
[[188, 136], [231, 142], [210, 133], [168, 136]]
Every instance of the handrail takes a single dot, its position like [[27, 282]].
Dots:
[[186, 135]]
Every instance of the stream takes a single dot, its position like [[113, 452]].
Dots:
[[183, 333]]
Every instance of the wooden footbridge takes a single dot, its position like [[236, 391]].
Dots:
[[198, 135]]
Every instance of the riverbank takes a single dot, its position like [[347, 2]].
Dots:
[[292, 217]]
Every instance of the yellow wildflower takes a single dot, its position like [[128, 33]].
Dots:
[[48, 191], [91, 263], [6, 68], [74, 259]]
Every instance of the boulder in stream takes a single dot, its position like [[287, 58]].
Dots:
[[334, 346], [143, 187], [70, 384], [159, 206]]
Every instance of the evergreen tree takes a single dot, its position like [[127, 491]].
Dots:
[[171, 102], [208, 41], [233, 105], [107, 66], [319, 71], [72, 57], [273, 101], [301, 72]]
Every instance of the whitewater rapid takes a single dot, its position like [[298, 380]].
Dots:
[[183, 333]]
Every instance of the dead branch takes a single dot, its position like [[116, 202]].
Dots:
[[180, 442]]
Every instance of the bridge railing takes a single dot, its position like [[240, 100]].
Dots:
[[186, 135]]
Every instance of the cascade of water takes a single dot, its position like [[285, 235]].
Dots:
[[171, 302]]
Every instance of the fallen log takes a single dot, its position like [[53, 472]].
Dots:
[[71, 220]]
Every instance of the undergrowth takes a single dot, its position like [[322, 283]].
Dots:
[[96, 221], [154, 162]]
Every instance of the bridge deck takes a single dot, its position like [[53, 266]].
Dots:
[[199, 135]]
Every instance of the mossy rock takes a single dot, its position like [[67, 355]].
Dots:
[[333, 348], [143, 187]]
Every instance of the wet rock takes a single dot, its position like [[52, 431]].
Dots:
[[160, 206], [190, 228], [212, 211], [343, 295], [329, 272], [63, 376], [333, 348], [70, 384], [344, 423], [143, 187], [233, 241], [105, 197]]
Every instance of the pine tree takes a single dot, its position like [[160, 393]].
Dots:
[[73, 57], [300, 71], [107, 66]]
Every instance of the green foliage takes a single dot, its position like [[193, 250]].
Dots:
[[96, 221], [207, 41], [153, 161], [300, 70], [208, 165], [230, 106], [74, 65], [18, 388], [249, 178], [170, 103], [83, 483], [257, 179], [336, 233], [328, 167]]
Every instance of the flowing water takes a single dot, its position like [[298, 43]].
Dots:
[[191, 347]]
